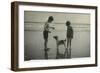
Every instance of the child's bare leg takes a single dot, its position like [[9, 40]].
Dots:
[[70, 42], [45, 44], [67, 42], [45, 49], [70, 49], [66, 50]]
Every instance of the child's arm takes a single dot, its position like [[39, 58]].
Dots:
[[52, 28], [47, 27], [72, 32]]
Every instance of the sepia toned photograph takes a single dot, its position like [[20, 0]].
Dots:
[[52, 35]]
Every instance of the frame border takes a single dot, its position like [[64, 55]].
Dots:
[[14, 35]]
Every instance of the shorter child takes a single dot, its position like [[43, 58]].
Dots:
[[69, 36]]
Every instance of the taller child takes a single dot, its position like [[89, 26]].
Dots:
[[45, 34]]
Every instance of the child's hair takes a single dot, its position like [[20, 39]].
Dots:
[[68, 23], [50, 18]]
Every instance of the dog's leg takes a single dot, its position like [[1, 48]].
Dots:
[[65, 49], [57, 53]]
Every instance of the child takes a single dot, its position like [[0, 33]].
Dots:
[[69, 36], [45, 34]]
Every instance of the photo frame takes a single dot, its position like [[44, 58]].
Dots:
[[36, 47]]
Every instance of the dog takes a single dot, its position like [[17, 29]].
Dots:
[[59, 42]]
